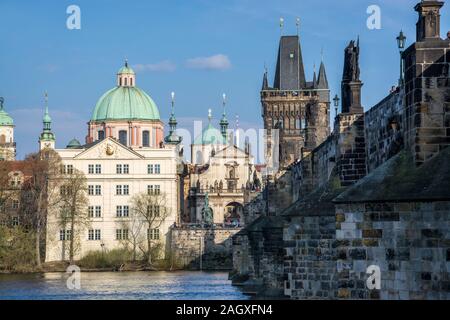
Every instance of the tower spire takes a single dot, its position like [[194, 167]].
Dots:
[[172, 138], [224, 120], [47, 138]]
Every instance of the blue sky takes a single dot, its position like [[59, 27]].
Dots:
[[168, 41]]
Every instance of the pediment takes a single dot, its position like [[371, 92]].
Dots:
[[108, 149]]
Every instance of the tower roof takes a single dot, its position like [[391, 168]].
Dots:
[[290, 72], [322, 82]]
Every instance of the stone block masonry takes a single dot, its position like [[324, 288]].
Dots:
[[213, 246], [410, 242]]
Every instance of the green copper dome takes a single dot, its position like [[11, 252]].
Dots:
[[5, 118], [74, 144], [210, 135], [126, 70], [125, 103]]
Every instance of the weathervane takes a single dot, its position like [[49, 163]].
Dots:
[[173, 100], [224, 101], [209, 114], [297, 23], [281, 25]]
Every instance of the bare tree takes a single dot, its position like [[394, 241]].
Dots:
[[5, 190], [135, 225], [152, 208], [73, 213], [44, 167]]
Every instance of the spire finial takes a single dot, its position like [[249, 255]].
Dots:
[[297, 23], [46, 101], [321, 54], [2, 100], [126, 62], [281, 25], [224, 102], [172, 95], [209, 115]]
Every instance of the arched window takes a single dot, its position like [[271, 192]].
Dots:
[[123, 137], [126, 82], [120, 81], [101, 135], [145, 138], [131, 81]]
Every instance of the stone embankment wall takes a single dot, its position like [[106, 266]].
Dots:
[[213, 246]]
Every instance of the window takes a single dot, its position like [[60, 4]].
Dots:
[[67, 169], [121, 234], [145, 138], [126, 81], [65, 235], [153, 234], [98, 190], [95, 211], [122, 211], [97, 169], [94, 190], [94, 234], [91, 190], [154, 189], [150, 169], [122, 169], [101, 135], [15, 221], [15, 204], [153, 210], [297, 124], [157, 169], [123, 137], [122, 190]]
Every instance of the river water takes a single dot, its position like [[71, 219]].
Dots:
[[122, 286]]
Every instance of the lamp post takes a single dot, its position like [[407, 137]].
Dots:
[[336, 104], [401, 40]]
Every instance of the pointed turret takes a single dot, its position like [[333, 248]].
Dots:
[[265, 84], [314, 82], [47, 138], [322, 82]]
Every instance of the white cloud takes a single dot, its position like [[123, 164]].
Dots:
[[216, 62], [163, 66]]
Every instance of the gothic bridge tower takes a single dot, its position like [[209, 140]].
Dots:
[[299, 109]]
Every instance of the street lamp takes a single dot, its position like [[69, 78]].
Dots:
[[336, 103], [401, 40]]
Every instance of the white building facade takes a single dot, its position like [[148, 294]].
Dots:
[[124, 155]]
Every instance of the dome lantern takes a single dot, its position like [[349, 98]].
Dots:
[[126, 76]]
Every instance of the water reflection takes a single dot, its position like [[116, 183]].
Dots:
[[122, 285]]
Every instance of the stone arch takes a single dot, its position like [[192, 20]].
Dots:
[[233, 213]]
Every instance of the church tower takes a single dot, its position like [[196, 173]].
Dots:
[[47, 138], [295, 111], [7, 144]]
